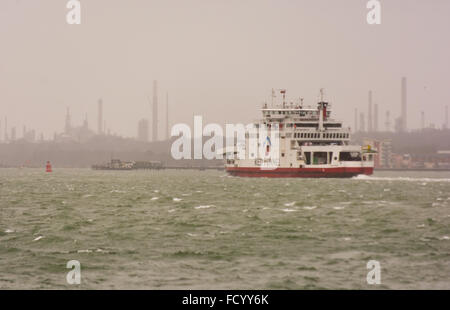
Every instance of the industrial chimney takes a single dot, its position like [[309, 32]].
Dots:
[[404, 123], [167, 117], [100, 116], [369, 115], [362, 125], [155, 112], [375, 117], [446, 117]]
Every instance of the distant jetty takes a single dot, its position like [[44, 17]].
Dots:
[[117, 164]]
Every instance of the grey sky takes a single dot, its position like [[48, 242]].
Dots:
[[218, 59]]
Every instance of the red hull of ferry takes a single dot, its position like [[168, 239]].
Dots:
[[339, 172]]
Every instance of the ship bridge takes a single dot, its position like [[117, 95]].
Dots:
[[305, 125]]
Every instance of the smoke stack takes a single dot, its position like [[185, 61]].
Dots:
[[404, 123], [85, 123], [100, 117], [6, 129], [13, 133], [155, 112], [388, 121], [167, 117], [356, 121], [375, 117], [422, 119], [446, 117], [369, 115], [362, 124], [67, 126]]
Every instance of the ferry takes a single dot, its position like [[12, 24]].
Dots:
[[311, 144]]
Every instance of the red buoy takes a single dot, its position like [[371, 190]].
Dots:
[[48, 167]]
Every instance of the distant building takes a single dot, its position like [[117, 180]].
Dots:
[[383, 158], [75, 134], [29, 135], [143, 130]]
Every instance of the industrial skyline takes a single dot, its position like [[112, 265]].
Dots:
[[224, 71], [143, 124]]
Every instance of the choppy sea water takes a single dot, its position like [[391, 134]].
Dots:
[[206, 230]]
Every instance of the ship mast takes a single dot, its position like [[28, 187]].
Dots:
[[321, 107], [283, 91]]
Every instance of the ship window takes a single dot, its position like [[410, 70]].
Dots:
[[320, 158], [350, 156], [308, 158]]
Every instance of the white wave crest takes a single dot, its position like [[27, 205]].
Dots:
[[405, 179]]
